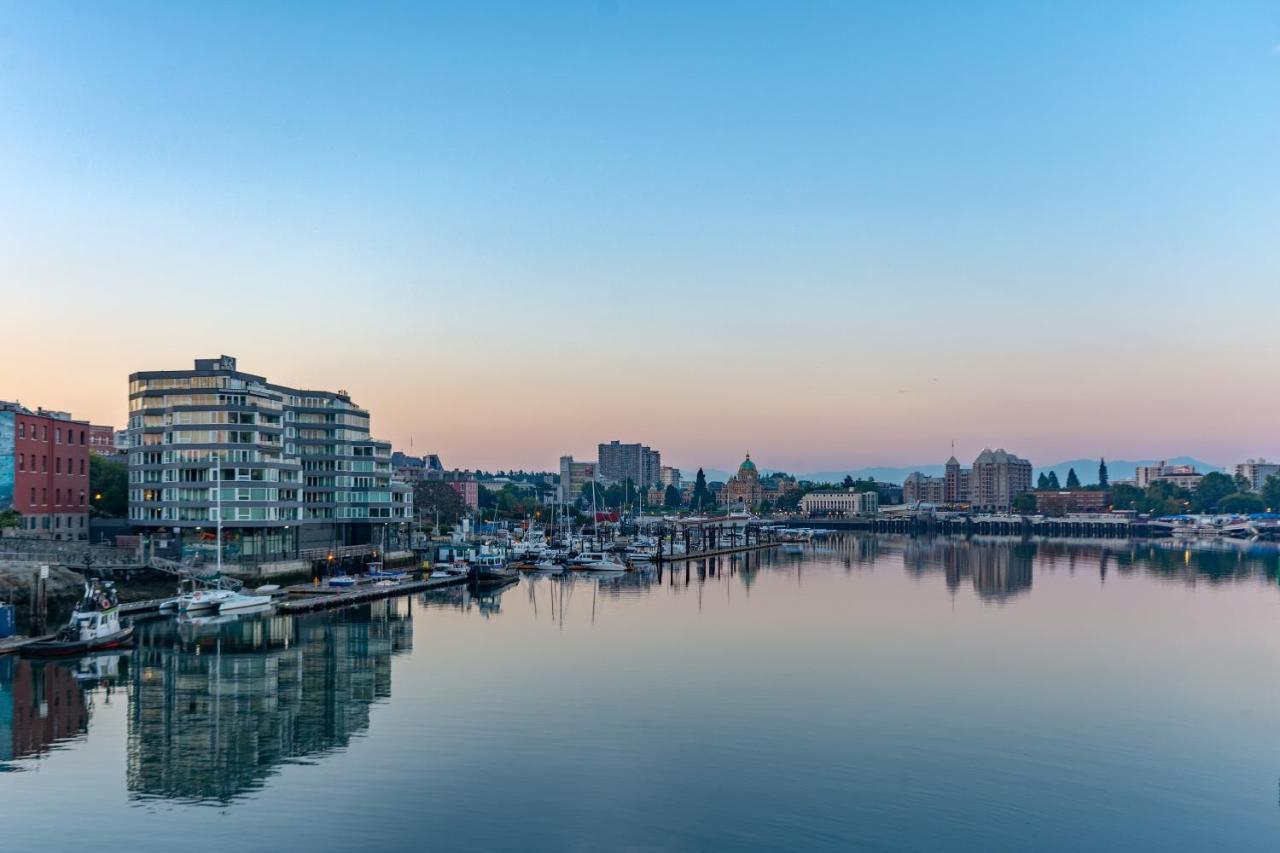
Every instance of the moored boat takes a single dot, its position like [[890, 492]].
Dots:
[[238, 602], [94, 626], [377, 572], [199, 600]]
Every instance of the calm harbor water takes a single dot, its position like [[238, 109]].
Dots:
[[871, 693]]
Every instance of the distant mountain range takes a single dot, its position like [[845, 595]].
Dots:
[[1086, 470]]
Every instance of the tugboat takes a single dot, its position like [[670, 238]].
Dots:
[[94, 625]]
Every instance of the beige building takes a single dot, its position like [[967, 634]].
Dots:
[[1182, 476], [997, 477], [573, 476], [951, 488], [840, 503]]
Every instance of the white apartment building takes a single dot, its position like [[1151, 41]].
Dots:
[[1256, 472]]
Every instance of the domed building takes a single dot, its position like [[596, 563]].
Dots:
[[743, 491]]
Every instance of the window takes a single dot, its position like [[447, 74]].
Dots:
[[57, 497], [44, 463], [22, 461], [57, 435], [82, 436], [33, 495], [44, 432], [57, 464], [22, 429], [81, 467]]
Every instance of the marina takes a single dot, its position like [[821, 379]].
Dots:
[[882, 668]]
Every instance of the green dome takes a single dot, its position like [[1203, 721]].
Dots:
[[747, 465]]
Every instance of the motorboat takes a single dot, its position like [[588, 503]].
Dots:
[[377, 572], [238, 603], [642, 553], [94, 626], [491, 568], [342, 581], [598, 561], [199, 600], [452, 571]]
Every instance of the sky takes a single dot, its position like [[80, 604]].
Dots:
[[831, 234]]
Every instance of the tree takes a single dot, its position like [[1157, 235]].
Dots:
[[436, 496], [1242, 483], [1128, 497], [108, 486], [1103, 479], [848, 481], [1271, 493], [1042, 482], [1053, 481], [1242, 503], [1212, 488], [671, 498], [1024, 503], [1165, 498], [701, 494], [10, 518], [1073, 482]]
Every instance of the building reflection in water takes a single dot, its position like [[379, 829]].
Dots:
[[216, 708], [42, 704], [997, 571]]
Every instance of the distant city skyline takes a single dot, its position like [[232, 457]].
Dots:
[[835, 235]]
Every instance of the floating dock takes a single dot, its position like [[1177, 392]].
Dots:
[[11, 645], [304, 598]]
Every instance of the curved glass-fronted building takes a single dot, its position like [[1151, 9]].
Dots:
[[295, 469]]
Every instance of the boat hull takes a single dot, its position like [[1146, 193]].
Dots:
[[66, 648]]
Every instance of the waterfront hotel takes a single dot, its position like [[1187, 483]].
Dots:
[[293, 470]]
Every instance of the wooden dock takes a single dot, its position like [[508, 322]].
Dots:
[[716, 552], [11, 645], [305, 599]]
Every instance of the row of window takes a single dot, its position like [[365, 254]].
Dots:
[[44, 464], [197, 418], [57, 433], [58, 494], [42, 522], [210, 514], [169, 401]]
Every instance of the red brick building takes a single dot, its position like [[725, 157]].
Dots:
[[1072, 501], [44, 471], [102, 440]]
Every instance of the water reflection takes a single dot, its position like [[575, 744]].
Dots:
[[996, 573], [42, 704], [216, 708]]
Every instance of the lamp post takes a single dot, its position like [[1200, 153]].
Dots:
[[218, 501]]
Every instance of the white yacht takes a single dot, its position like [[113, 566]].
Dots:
[[238, 602], [597, 561], [203, 599]]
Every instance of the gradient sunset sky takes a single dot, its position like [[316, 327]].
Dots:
[[832, 234]]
